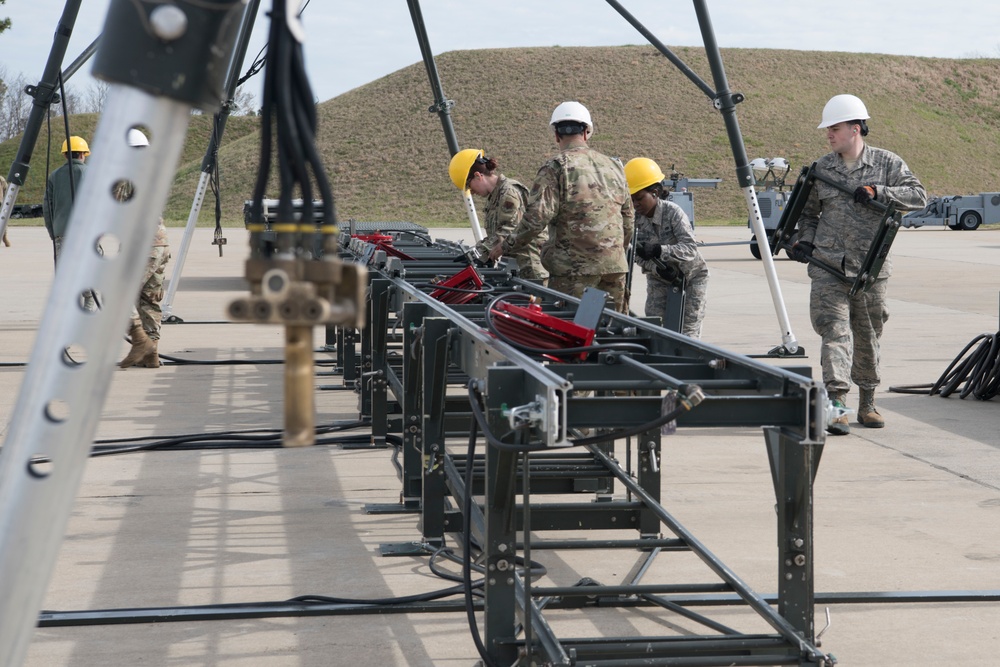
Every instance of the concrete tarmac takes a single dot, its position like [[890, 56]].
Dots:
[[911, 507]]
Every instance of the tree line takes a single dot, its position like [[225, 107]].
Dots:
[[15, 104]]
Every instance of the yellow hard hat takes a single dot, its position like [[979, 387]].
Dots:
[[79, 145], [460, 165], [641, 172]]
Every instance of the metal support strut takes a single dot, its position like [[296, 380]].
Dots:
[[725, 101], [72, 361]]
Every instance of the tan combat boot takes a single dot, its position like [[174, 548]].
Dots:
[[152, 358], [867, 414], [141, 346]]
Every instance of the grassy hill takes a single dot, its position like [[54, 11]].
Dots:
[[199, 132], [387, 156]]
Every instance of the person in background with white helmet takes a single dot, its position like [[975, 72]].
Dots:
[[582, 197], [144, 328], [61, 189], [665, 247], [506, 199], [838, 228]]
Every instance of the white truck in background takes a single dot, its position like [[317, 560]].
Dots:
[[965, 212]]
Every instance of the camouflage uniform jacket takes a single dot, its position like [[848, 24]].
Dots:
[[669, 226], [842, 230], [583, 197], [58, 198], [504, 210], [123, 192]]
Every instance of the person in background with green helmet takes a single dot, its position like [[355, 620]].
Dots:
[[505, 198], [665, 247]]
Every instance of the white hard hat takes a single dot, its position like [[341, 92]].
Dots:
[[842, 108], [137, 138], [572, 111]]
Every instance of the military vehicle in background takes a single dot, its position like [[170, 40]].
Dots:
[[769, 176], [679, 186], [965, 212]]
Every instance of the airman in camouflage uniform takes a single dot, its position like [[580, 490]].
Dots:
[[505, 203], [666, 234], [144, 328], [838, 229], [582, 196]]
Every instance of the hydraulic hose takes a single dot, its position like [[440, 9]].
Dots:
[[976, 371]]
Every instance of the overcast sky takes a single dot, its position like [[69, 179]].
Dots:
[[349, 43]]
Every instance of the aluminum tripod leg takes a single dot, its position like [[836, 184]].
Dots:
[[61, 398], [442, 105], [788, 340], [192, 222], [42, 94], [725, 101], [208, 162]]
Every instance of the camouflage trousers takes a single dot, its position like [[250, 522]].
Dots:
[[658, 296], [147, 311], [850, 328], [612, 283], [526, 271]]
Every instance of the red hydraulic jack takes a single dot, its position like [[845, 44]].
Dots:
[[461, 288], [529, 327], [383, 242]]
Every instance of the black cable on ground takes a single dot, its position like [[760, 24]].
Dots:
[[242, 439], [178, 361], [976, 371], [406, 599]]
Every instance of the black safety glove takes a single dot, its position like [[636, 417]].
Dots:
[[802, 251], [864, 194], [668, 273], [640, 252], [650, 250]]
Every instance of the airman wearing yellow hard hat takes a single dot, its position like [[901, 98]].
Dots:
[[470, 170], [61, 188], [666, 248]]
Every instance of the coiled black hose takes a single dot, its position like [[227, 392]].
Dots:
[[976, 371]]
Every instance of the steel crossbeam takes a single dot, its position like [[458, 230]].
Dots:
[[442, 368]]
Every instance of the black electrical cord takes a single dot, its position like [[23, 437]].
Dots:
[[69, 147], [288, 115], [470, 610], [485, 289], [480, 418], [237, 362], [423, 237], [214, 179], [241, 439], [553, 352], [975, 371], [405, 599]]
